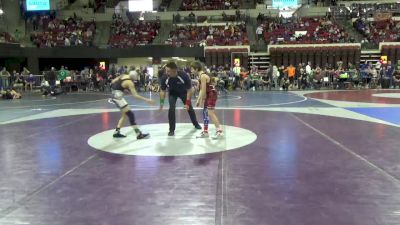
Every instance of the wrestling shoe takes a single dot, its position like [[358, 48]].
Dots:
[[218, 134], [203, 134], [118, 135], [142, 136]]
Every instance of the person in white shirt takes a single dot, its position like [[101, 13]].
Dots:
[[259, 32], [308, 69], [78, 42], [227, 4], [134, 76], [67, 42]]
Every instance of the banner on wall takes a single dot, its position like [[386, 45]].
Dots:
[[37, 5], [285, 3]]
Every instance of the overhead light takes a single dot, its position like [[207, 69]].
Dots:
[[1, 12]]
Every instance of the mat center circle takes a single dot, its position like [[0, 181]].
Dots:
[[183, 143]]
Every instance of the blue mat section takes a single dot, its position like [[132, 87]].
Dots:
[[391, 115]]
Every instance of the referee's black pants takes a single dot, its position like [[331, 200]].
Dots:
[[172, 106]]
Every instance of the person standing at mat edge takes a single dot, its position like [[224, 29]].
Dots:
[[179, 86], [118, 86]]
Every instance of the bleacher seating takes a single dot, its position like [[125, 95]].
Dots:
[[378, 31], [303, 31], [193, 5], [129, 34], [69, 32], [358, 10], [208, 35]]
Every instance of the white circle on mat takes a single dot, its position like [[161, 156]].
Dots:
[[387, 95], [183, 143]]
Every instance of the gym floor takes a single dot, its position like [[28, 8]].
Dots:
[[287, 158]]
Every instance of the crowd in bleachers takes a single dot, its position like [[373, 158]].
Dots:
[[40, 20], [51, 32], [322, 3], [373, 20], [301, 31], [164, 5], [69, 32], [230, 34], [62, 80], [189, 5], [307, 76], [132, 33], [365, 10], [378, 31], [292, 77], [6, 37]]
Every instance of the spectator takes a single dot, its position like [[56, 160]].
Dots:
[[291, 72], [192, 17], [308, 69], [177, 18], [30, 81], [51, 77], [238, 16], [17, 35], [19, 82], [5, 79], [259, 32], [396, 79]]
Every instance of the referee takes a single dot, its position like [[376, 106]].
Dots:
[[179, 86]]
